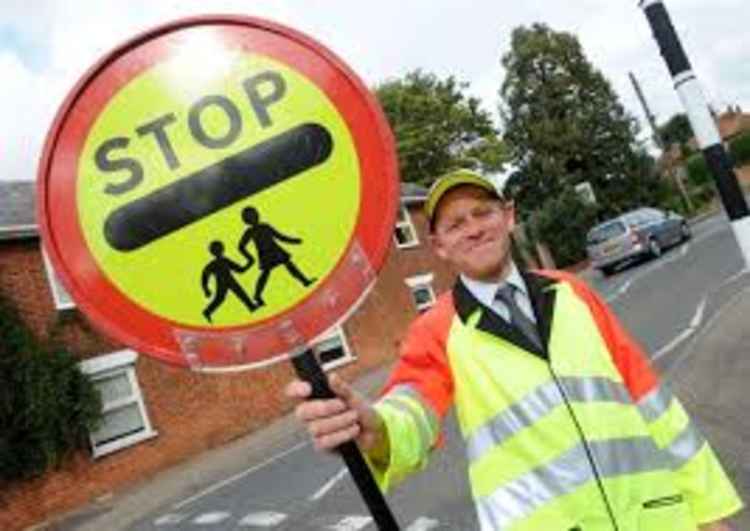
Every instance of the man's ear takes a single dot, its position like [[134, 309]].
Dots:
[[509, 210]]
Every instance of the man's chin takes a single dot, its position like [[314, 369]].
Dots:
[[489, 271], [486, 274]]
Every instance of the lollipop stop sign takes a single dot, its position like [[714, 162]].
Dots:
[[217, 193], [213, 192]]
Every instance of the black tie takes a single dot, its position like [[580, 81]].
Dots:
[[506, 295]]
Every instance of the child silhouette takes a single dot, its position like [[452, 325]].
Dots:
[[222, 268], [270, 253]]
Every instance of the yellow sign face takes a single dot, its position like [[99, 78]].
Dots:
[[218, 196]]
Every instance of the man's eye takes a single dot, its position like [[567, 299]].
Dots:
[[455, 225]]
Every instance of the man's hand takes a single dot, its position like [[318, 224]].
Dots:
[[348, 417]]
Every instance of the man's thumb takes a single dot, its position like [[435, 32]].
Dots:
[[342, 389]]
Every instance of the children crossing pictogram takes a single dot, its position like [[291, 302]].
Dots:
[[222, 270], [271, 255]]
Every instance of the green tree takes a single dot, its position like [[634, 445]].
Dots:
[[47, 406], [438, 127], [677, 130], [739, 148], [566, 241], [564, 124]]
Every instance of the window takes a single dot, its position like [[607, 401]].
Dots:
[[606, 231], [421, 290], [332, 350], [655, 215], [124, 418], [405, 234], [63, 300]]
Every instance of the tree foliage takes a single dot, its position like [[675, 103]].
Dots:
[[47, 406], [438, 127], [677, 130], [562, 223], [564, 125], [739, 148], [697, 170]]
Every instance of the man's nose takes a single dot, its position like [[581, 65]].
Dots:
[[474, 227]]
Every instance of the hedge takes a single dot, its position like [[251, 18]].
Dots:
[[47, 405], [739, 148]]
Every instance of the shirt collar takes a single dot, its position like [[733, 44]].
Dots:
[[485, 292], [537, 285]]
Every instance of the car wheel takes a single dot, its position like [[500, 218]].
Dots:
[[654, 249], [685, 232]]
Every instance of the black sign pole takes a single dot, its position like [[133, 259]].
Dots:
[[307, 368]]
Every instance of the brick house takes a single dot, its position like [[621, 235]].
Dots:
[[730, 124], [155, 415]]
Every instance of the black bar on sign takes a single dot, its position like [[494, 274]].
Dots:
[[308, 369], [206, 191], [666, 37]]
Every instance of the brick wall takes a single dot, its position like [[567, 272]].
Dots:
[[743, 175], [191, 412]]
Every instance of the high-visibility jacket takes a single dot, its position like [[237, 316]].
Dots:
[[578, 435]]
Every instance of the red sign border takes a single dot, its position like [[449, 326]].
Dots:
[[113, 312]]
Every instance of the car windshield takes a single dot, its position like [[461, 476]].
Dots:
[[605, 232]]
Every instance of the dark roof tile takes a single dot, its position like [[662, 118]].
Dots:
[[17, 204]]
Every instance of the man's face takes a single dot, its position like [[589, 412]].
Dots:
[[472, 232]]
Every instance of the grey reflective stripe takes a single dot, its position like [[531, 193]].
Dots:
[[655, 404], [539, 403], [425, 437], [595, 389], [427, 422], [521, 497], [688, 443], [431, 416]]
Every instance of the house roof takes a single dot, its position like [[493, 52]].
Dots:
[[729, 123], [413, 193], [17, 209], [733, 122]]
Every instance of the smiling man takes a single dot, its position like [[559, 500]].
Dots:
[[567, 426]]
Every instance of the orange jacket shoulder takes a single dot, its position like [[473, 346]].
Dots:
[[423, 363]]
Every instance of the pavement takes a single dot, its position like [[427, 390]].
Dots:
[[119, 511], [710, 376], [711, 379]]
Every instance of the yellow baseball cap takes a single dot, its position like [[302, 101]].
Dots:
[[449, 181]]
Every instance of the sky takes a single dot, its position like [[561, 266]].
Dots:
[[47, 45]]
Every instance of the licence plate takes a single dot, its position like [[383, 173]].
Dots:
[[610, 249]]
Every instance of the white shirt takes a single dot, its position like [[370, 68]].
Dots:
[[485, 293]]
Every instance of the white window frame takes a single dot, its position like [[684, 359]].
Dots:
[[122, 361], [422, 282], [408, 224], [60, 296], [335, 333]]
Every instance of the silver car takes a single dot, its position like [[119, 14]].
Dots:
[[640, 233]]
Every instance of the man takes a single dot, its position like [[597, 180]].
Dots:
[[567, 426]]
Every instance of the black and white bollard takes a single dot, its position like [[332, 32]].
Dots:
[[706, 133]]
